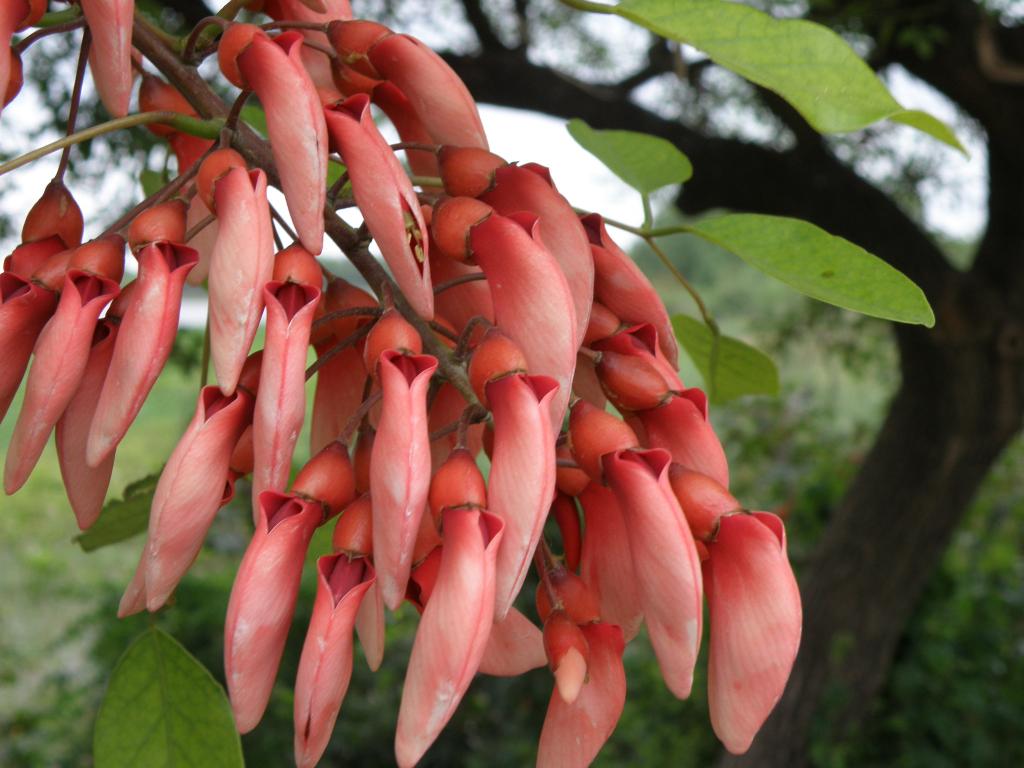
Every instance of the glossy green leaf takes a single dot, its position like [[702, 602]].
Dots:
[[740, 369], [121, 518], [647, 163], [163, 708], [808, 65], [820, 265]]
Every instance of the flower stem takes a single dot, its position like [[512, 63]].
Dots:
[[76, 97], [705, 313], [208, 129]]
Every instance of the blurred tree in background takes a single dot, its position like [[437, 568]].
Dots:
[[892, 447]]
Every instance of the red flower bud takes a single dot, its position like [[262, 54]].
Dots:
[[163, 222], [215, 166], [468, 171], [495, 356], [594, 433], [702, 498], [329, 478], [450, 224], [632, 382], [458, 483], [55, 213], [353, 533], [391, 331]]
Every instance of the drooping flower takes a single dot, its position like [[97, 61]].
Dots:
[[190, 489], [110, 22], [665, 561], [60, 356], [522, 481], [386, 198], [755, 619], [144, 341], [241, 264], [291, 302], [263, 600], [325, 666], [86, 485], [453, 631], [400, 468], [273, 68]]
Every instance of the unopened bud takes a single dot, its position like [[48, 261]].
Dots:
[[468, 171], [594, 433], [451, 223], [457, 483], [163, 222], [495, 356], [353, 532], [329, 478]]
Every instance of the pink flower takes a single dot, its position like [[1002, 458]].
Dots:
[[86, 486], [453, 631], [61, 353], [385, 196], [533, 303], [241, 264], [263, 601], [606, 563], [144, 343], [273, 68], [438, 96], [622, 286], [325, 667], [400, 468], [529, 188], [522, 481], [682, 428], [110, 22], [190, 489], [665, 561], [281, 402], [755, 621]]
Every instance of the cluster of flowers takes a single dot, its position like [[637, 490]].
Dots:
[[541, 320]]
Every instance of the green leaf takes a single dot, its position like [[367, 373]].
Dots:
[[739, 368], [151, 181], [163, 708], [255, 117], [121, 518], [808, 65], [645, 162], [818, 264]]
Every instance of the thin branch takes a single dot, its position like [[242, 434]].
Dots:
[[457, 281], [205, 128], [76, 97], [39, 34]]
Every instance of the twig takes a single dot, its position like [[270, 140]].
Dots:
[[342, 345], [39, 34], [205, 128], [457, 281], [76, 97]]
